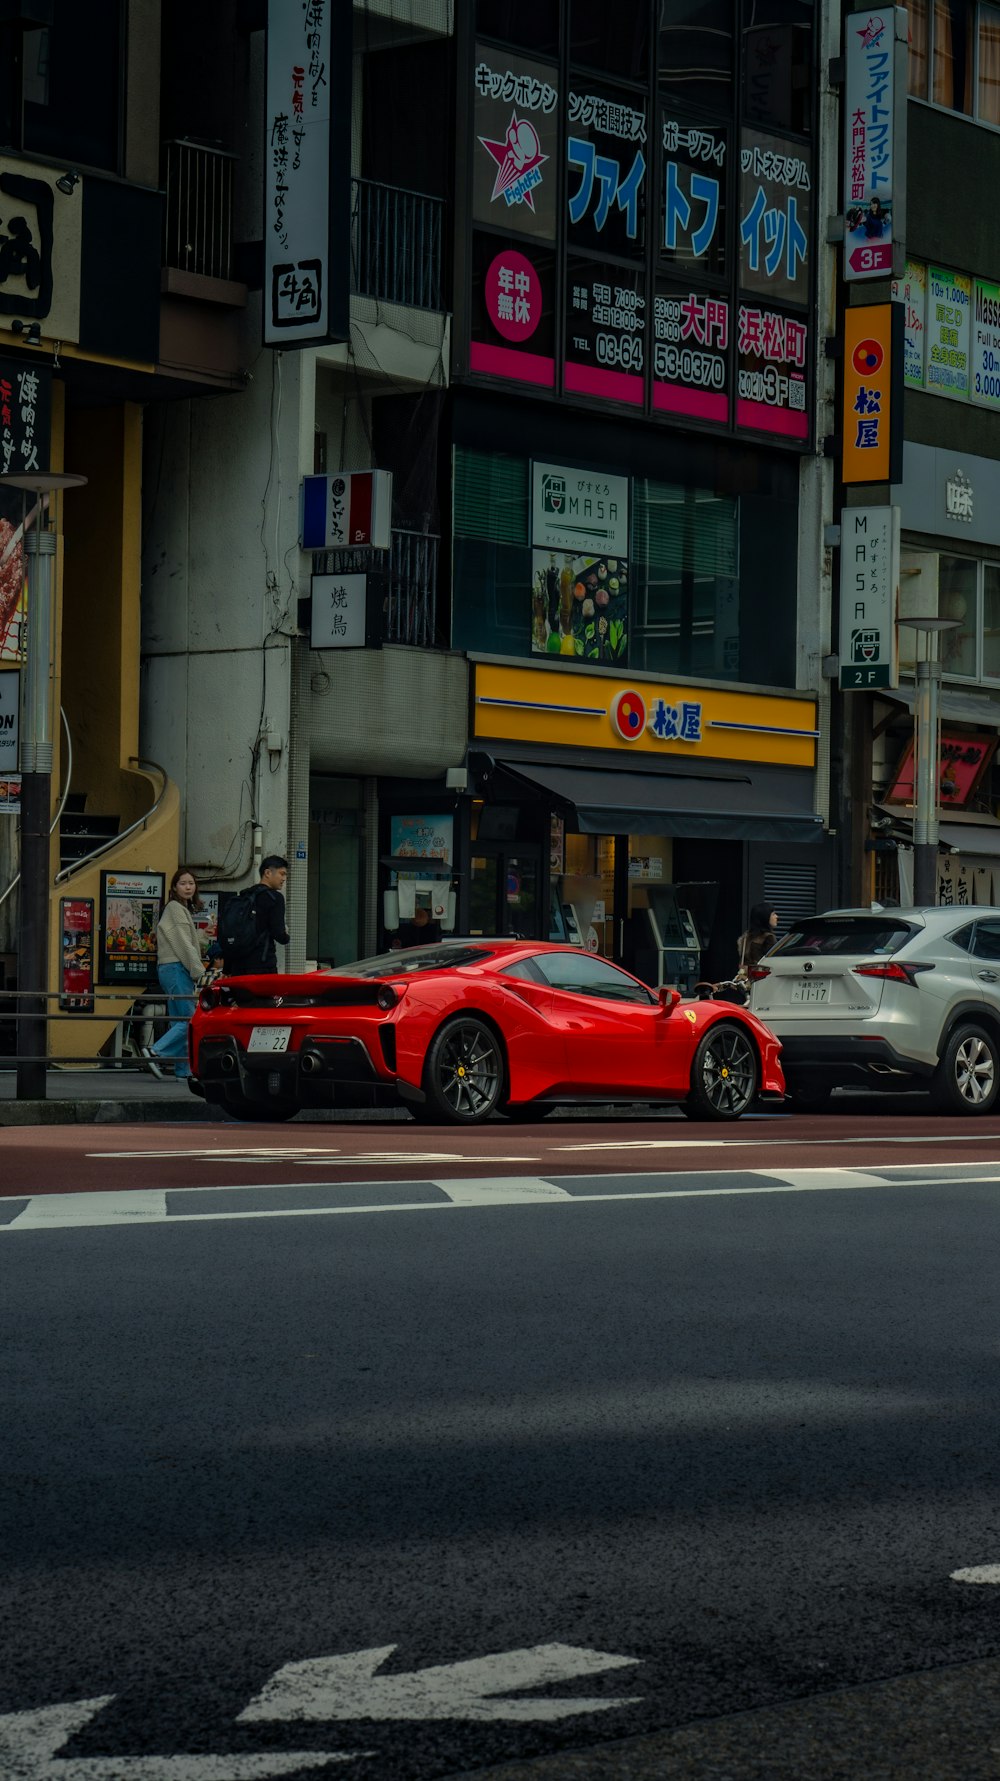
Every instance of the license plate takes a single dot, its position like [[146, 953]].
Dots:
[[269, 1039], [810, 992]]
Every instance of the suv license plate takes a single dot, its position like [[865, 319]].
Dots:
[[269, 1039], [810, 992]]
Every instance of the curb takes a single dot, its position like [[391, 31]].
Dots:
[[22, 1113]]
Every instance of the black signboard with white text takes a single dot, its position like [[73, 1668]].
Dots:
[[25, 426]]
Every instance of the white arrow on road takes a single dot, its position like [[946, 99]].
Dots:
[[348, 1688], [30, 1742]]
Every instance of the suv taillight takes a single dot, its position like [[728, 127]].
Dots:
[[896, 973], [756, 972]]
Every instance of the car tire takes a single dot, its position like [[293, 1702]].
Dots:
[[967, 1079], [263, 1112], [725, 1074], [464, 1072]]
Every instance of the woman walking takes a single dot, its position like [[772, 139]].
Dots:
[[760, 936], [178, 967]]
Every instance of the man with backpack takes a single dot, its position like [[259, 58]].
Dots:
[[254, 923]]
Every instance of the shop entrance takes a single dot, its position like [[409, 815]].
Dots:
[[505, 890]]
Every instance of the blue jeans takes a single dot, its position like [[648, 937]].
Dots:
[[178, 988]]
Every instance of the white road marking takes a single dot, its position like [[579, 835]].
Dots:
[[54, 1211], [977, 1574], [30, 1742], [501, 1190], [307, 1158], [774, 1143], [348, 1687], [138, 1206]]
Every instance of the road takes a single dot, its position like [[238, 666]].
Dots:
[[635, 1461]]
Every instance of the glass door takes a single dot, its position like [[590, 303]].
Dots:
[[503, 892]]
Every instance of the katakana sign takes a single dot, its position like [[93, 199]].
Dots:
[[516, 150], [874, 138], [607, 155], [775, 218], [693, 227]]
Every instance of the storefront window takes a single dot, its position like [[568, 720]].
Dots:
[[932, 584], [991, 621], [492, 561], [778, 63], [529, 24], [686, 545], [696, 53], [953, 52], [613, 38]]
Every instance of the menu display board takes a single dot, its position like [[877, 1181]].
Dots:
[[130, 909], [76, 986]]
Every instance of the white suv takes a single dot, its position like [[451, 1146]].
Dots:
[[890, 999]]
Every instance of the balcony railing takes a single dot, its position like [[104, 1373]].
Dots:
[[396, 239], [410, 568], [198, 218]]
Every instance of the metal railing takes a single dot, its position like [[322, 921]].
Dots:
[[396, 244], [147, 1017], [410, 570], [198, 217]]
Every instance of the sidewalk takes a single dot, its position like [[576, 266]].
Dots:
[[101, 1096]]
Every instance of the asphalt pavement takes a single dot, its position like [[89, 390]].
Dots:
[[671, 1482]]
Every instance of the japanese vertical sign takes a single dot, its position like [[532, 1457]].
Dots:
[[350, 510], [869, 596], [339, 612], [869, 118], [76, 990], [25, 417], [872, 420], [517, 144], [305, 272]]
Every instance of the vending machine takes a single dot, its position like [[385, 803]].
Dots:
[[669, 937]]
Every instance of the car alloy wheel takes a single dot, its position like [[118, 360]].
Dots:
[[968, 1078], [465, 1071], [724, 1074]]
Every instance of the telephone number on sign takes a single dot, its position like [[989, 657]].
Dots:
[[623, 352], [681, 365]]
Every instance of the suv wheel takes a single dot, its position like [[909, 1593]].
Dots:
[[967, 1079]]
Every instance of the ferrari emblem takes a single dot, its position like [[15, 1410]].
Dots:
[[689, 1014], [461, 1070]]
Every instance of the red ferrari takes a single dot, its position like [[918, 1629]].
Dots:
[[468, 1028]]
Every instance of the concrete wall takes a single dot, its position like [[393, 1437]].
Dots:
[[220, 591]]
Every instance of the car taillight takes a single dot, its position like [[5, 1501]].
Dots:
[[756, 972], [386, 996], [208, 999], [894, 973]]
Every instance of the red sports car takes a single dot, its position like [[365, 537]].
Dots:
[[467, 1028]]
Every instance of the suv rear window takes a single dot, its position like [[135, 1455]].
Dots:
[[836, 935]]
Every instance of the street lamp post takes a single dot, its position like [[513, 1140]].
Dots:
[[39, 543], [925, 716]]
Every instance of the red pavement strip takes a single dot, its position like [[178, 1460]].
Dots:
[[75, 1159]]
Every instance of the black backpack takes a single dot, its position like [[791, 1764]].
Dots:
[[239, 935]]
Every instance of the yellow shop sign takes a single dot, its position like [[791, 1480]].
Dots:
[[639, 716]]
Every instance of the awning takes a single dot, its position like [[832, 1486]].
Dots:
[[982, 839], [612, 803], [954, 706]]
